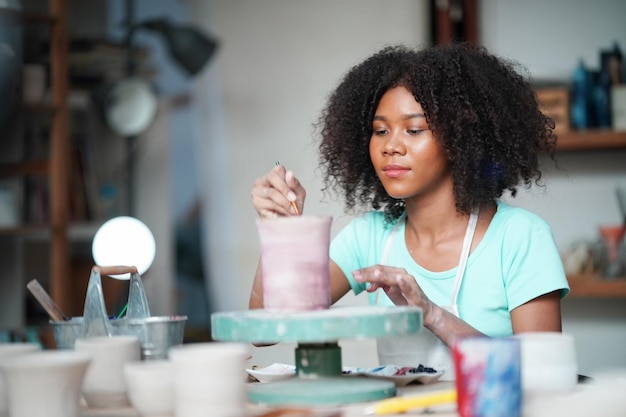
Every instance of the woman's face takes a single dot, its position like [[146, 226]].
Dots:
[[407, 158]]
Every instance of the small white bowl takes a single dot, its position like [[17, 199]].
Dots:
[[104, 385], [150, 386]]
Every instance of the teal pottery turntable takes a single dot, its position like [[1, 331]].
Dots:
[[319, 379]]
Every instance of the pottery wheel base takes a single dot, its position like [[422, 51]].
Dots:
[[319, 379], [321, 391]]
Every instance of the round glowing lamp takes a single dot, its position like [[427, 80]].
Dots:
[[124, 241]]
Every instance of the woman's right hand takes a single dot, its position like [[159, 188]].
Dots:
[[273, 193]]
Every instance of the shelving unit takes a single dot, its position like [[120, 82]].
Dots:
[[594, 140], [54, 167], [590, 140], [597, 287]]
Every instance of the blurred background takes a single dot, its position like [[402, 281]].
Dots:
[[213, 121]]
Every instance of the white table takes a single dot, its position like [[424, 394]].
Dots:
[[359, 409], [349, 410]]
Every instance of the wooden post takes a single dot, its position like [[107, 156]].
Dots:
[[449, 29], [470, 21], [444, 31], [60, 281]]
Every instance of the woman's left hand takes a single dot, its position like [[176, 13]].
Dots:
[[402, 289], [399, 286]]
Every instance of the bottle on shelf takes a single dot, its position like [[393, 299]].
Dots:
[[615, 65], [602, 93], [613, 239], [581, 89]]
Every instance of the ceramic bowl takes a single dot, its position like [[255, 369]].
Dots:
[[104, 385], [46, 383], [7, 351], [150, 386], [210, 379]]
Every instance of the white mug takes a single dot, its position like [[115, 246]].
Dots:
[[549, 363], [45, 384], [210, 379], [150, 387], [105, 385], [7, 351]]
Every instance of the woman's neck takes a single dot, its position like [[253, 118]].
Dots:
[[434, 222]]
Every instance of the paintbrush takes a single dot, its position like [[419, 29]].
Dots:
[[293, 203], [399, 405], [46, 301]]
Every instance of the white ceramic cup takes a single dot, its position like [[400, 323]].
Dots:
[[150, 387], [105, 385], [210, 379], [7, 351], [549, 363], [45, 384]]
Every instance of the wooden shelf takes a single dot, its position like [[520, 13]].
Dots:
[[594, 286], [40, 167], [18, 17], [45, 108], [25, 230], [53, 24], [76, 232], [588, 140]]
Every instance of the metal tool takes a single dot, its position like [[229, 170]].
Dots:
[[156, 334]]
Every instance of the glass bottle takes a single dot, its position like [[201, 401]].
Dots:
[[613, 239], [580, 97]]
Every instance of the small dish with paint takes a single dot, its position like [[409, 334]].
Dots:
[[401, 376], [273, 372]]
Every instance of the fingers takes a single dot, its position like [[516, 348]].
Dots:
[[297, 193], [400, 286], [408, 287], [272, 195], [379, 275], [262, 200]]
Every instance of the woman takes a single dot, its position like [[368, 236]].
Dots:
[[427, 141]]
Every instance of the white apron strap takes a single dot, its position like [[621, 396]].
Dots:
[[386, 250], [467, 244]]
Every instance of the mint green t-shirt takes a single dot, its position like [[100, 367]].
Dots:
[[516, 261]]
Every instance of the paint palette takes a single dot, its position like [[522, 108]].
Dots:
[[400, 376]]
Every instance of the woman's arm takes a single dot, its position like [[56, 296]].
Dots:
[[339, 284], [256, 293], [541, 314], [402, 289]]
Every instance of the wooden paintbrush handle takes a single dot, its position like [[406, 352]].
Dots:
[[115, 270], [45, 300]]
